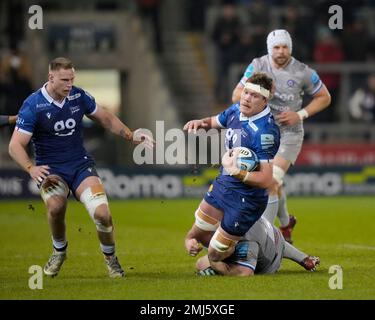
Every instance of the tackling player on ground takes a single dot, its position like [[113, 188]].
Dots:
[[260, 252], [291, 79], [52, 119]]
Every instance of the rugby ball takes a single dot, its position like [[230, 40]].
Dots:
[[247, 159]]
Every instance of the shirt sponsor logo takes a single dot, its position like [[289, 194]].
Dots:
[[20, 121], [249, 71], [74, 96], [284, 97], [42, 105], [74, 109], [314, 78], [267, 140]]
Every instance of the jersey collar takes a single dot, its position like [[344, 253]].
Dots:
[[257, 116], [49, 98]]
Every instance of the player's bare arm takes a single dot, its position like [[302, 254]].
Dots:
[[112, 123], [17, 150], [232, 269], [321, 100], [206, 123]]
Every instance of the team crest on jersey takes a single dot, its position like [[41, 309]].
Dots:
[[291, 83]]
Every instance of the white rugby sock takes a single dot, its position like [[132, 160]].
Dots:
[[282, 212], [108, 250], [59, 245], [271, 209], [292, 253]]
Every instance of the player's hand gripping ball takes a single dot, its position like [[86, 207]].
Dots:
[[246, 159], [238, 159]]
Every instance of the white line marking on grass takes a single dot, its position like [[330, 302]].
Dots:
[[358, 246]]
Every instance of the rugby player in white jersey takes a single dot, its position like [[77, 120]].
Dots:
[[292, 79]]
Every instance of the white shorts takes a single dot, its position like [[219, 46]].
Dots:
[[290, 145]]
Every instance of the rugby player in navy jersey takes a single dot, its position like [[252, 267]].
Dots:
[[237, 198], [52, 119]]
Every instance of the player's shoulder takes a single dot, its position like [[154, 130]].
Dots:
[[233, 109], [261, 62], [34, 100], [297, 65]]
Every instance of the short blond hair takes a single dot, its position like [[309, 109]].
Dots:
[[60, 63]]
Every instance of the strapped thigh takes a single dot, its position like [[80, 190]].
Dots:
[[53, 185], [220, 242], [204, 221]]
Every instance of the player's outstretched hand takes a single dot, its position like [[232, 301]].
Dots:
[[39, 173], [194, 125], [229, 161], [193, 247], [288, 118], [143, 136]]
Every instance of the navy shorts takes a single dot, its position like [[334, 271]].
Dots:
[[74, 172], [240, 211]]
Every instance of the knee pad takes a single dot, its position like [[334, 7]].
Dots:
[[53, 186], [92, 198], [221, 243], [205, 222], [278, 174]]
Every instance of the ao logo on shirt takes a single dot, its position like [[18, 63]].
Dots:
[[61, 125], [231, 137]]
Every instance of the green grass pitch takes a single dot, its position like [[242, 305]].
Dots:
[[150, 235]]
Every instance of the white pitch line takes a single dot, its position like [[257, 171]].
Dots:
[[358, 246]]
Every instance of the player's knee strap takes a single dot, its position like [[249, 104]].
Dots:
[[53, 186], [221, 243], [205, 222], [92, 198], [278, 174]]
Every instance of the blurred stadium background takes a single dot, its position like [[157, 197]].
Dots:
[[149, 60]]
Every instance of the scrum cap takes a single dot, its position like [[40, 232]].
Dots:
[[277, 37]]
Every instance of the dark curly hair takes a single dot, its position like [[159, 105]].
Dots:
[[262, 79]]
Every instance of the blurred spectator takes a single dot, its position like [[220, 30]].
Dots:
[[328, 50], [362, 103], [302, 30], [355, 41], [226, 34], [197, 14], [259, 16], [150, 10], [244, 49], [15, 80], [370, 54]]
